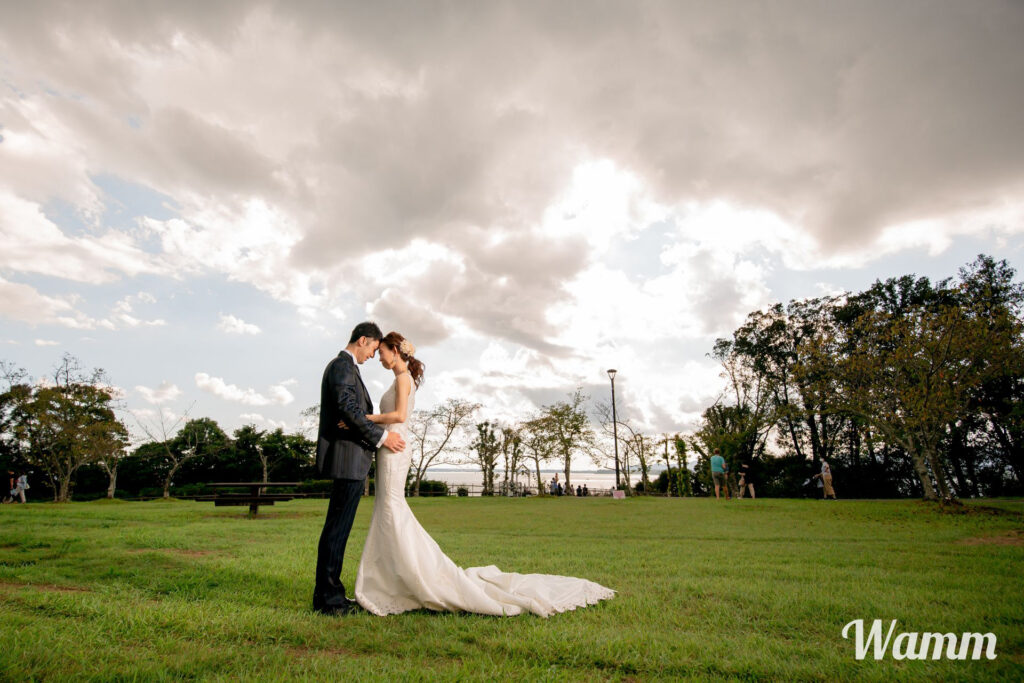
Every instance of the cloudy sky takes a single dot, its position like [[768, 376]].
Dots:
[[204, 198]]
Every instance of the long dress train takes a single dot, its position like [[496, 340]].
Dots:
[[403, 568]]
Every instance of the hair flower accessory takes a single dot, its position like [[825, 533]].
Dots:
[[406, 348]]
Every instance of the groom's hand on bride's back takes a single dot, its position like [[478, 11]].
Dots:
[[394, 442]]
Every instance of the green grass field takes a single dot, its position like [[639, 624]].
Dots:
[[746, 589]]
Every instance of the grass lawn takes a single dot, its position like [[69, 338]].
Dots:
[[745, 589]]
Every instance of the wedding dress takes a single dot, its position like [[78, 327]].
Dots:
[[403, 568]]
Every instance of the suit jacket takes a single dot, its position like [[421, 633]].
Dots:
[[345, 453]]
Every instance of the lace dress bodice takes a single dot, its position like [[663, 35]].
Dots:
[[389, 402]]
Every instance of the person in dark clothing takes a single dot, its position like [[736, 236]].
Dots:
[[746, 480]]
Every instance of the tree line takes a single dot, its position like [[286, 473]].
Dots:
[[68, 431], [909, 388]]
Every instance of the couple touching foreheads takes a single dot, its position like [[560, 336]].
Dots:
[[402, 568]]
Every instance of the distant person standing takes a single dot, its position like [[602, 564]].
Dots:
[[746, 480], [20, 487], [826, 480], [586, 491], [718, 473]]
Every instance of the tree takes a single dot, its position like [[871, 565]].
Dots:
[[989, 289], [512, 454], [60, 426], [910, 376], [571, 432], [605, 446], [488, 447], [194, 439], [537, 444], [677, 476], [309, 421], [112, 446], [633, 444], [643, 448], [164, 457], [279, 451], [249, 446], [435, 434], [745, 423], [769, 345], [11, 456], [683, 478]]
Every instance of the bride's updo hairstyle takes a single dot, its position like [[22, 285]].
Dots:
[[404, 348]]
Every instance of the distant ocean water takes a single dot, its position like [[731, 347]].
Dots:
[[595, 480]]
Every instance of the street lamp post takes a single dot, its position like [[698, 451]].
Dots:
[[615, 428]]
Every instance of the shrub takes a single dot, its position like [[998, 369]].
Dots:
[[429, 487], [462, 491], [315, 486]]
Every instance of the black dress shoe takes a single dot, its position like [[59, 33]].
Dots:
[[348, 607]]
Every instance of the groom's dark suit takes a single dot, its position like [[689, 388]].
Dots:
[[345, 456]]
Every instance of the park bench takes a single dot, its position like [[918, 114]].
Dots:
[[256, 496]]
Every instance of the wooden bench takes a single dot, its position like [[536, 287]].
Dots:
[[254, 498]]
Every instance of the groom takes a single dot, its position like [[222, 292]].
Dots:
[[345, 456]]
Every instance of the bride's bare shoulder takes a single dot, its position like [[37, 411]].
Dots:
[[404, 382]]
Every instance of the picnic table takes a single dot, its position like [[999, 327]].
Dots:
[[257, 495]]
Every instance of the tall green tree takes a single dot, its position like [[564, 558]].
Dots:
[[911, 375], [571, 432], [65, 423], [988, 288], [487, 447], [538, 446], [512, 453], [195, 439], [285, 452], [677, 472]]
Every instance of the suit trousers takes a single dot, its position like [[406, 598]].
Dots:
[[341, 511]]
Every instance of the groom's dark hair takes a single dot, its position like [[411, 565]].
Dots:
[[366, 329]]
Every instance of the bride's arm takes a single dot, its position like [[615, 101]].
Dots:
[[401, 412]]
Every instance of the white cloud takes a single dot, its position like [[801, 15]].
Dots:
[[31, 243], [252, 418], [24, 304], [232, 325], [165, 393], [278, 394], [476, 173], [122, 314], [47, 342]]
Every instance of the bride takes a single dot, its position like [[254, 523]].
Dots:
[[403, 568]]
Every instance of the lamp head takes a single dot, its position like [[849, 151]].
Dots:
[[611, 374]]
